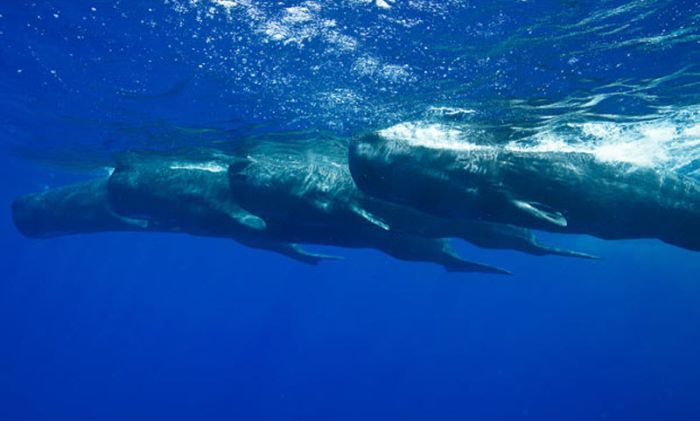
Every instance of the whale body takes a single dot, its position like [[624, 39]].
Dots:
[[569, 192]]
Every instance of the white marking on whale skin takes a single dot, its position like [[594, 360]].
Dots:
[[371, 218], [555, 218], [213, 167]]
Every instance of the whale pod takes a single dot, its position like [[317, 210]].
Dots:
[[192, 195], [271, 195]]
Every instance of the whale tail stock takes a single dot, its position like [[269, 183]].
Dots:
[[293, 251], [491, 235]]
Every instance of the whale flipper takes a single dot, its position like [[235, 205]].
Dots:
[[247, 219], [536, 211]]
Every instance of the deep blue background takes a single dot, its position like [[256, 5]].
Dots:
[[171, 327]]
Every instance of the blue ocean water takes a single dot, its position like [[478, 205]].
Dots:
[[116, 326]]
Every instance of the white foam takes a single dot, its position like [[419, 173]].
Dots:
[[450, 111], [692, 131], [372, 67], [433, 136], [384, 4], [299, 25], [227, 4], [295, 25], [624, 151]]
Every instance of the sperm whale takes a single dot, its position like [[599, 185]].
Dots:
[[568, 192]]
